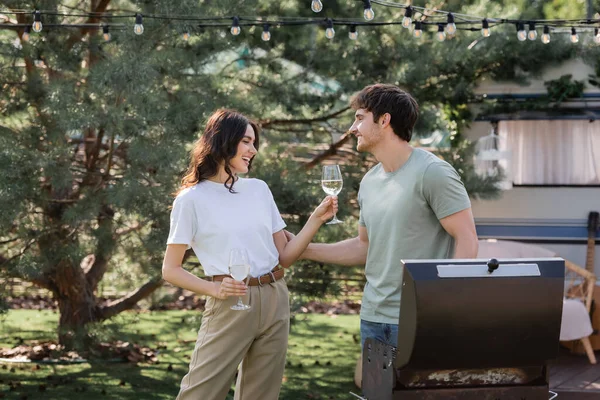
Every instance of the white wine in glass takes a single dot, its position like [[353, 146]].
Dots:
[[332, 184], [239, 269]]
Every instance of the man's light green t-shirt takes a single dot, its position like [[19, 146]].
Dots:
[[401, 212]]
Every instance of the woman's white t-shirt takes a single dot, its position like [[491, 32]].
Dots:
[[212, 221]]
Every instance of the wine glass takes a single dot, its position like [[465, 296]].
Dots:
[[332, 184], [239, 268]]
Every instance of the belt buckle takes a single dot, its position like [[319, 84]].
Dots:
[[272, 277]]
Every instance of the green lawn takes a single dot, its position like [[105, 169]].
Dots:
[[321, 358]]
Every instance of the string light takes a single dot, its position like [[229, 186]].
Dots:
[[441, 35], [407, 20], [329, 32], [265, 35], [369, 14], [353, 34], [532, 34], [450, 26], [485, 28], [546, 35], [316, 6], [26, 32], [574, 35], [138, 28], [235, 26], [37, 21], [521, 34], [105, 33], [418, 32]]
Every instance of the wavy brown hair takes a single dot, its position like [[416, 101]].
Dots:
[[224, 130]]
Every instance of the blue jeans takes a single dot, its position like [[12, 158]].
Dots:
[[386, 333]]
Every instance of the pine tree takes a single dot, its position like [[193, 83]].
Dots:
[[93, 138]]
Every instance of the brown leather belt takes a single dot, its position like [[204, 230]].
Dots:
[[274, 275]]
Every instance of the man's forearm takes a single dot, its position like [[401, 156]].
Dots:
[[294, 248], [348, 252]]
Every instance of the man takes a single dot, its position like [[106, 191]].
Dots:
[[412, 206]]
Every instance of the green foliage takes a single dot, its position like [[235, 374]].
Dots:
[[567, 9], [564, 88]]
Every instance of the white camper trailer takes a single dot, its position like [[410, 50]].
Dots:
[[552, 161]]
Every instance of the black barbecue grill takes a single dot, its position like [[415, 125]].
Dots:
[[470, 330]]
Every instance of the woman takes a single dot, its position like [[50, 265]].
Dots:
[[214, 212]]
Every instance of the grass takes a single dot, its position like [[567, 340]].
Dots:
[[320, 361]]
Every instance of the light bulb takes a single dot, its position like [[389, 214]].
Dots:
[[369, 14], [25, 36], [485, 28], [546, 35], [329, 32], [574, 36], [597, 36], [37, 21], [441, 35], [521, 34], [353, 34], [265, 35], [138, 28], [451, 26], [316, 6], [235, 26], [185, 36], [418, 32], [532, 34], [105, 33], [407, 20]]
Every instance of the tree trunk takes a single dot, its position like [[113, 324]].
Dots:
[[77, 306], [72, 327]]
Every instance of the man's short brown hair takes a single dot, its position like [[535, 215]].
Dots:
[[384, 98]]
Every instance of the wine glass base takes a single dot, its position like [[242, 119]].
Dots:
[[334, 221], [241, 307]]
